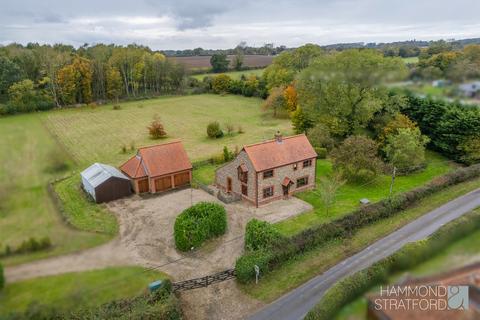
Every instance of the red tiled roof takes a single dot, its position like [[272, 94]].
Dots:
[[158, 160], [271, 154]]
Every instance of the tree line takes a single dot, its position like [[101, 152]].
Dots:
[[40, 77]]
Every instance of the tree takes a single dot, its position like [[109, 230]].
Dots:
[[405, 149], [357, 159], [275, 101], [219, 62], [214, 131], [400, 121], [344, 90], [290, 94], [221, 83], [470, 149], [320, 137], [9, 74], [328, 188], [238, 60], [301, 121], [114, 83], [22, 95], [156, 129]]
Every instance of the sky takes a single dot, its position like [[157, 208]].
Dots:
[[217, 24]]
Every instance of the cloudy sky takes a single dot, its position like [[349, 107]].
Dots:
[[181, 24]]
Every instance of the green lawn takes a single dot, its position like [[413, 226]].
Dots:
[[98, 134], [75, 290], [299, 270], [458, 254], [236, 75], [205, 174], [29, 154], [349, 195], [81, 212]]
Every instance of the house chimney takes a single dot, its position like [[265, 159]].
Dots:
[[278, 137]]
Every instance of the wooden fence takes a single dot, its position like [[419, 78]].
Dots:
[[203, 281]]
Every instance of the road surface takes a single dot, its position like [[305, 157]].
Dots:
[[296, 304]]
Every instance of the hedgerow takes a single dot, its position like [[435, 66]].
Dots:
[[412, 254], [198, 223], [260, 235], [287, 248]]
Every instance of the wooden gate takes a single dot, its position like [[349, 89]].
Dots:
[[203, 281], [163, 184], [182, 179], [143, 186]]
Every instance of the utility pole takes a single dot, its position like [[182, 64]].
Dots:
[[393, 180]]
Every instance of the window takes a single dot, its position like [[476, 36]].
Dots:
[[244, 190], [268, 192], [307, 163], [267, 174], [242, 174], [295, 166], [302, 182]]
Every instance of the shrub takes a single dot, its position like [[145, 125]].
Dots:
[[221, 83], [230, 128], [245, 265], [227, 154], [156, 129], [321, 152], [214, 131], [406, 148], [30, 245], [260, 235], [116, 107], [240, 130], [319, 136], [198, 223]]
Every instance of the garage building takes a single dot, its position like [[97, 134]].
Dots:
[[159, 168], [105, 183]]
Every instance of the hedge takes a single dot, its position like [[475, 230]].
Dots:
[[260, 235], [410, 255], [161, 304], [287, 248], [198, 223]]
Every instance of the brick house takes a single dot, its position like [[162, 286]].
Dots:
[[159, 168], [269, 170]]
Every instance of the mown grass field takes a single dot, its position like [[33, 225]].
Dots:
[[299, 270], [236, 75], [98, 134], [460, 253], [76, 290], [30, 157], [349, 195]]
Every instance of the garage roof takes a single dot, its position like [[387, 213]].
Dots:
[[98, 173], [157, 160]]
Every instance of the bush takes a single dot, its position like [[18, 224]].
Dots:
[[286, 248], [214, 131], [410, 255], [156, 129], [198, 223], [30, 245], [260, 235], [116, 107], [321, 152], [221, 83], [245, 265]]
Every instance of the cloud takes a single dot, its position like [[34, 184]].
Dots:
[[168, 24]]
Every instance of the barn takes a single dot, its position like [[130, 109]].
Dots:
[[105, 183], [159, 168]]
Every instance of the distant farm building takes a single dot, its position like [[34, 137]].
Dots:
[[159, 168], [105, 183], [470, 90]]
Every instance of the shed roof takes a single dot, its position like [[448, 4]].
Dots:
[[272, 153], [157, 160], [98, 173]]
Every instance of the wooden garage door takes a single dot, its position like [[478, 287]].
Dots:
[[182, 179], [143, 186], [163, 184]]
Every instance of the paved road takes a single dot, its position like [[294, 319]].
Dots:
[[296, 304]]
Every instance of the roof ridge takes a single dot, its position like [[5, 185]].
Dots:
[[160, 144], [273, 140]]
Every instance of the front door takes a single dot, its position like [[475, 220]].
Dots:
[[286, 189], [229, 184]]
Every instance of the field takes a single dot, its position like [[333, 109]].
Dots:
[[98, 134], [299, 270], [74, 290], [457, 254], [410, 60], [30, 158], [203, 62], [236, 75]]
